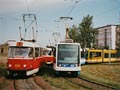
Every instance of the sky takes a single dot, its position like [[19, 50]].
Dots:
[[48, 13]]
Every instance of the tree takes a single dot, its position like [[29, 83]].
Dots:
[[73, 33], [85, 28], [85, 34]]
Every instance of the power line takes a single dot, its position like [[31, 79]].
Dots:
[[27, 6], [30, 24], [72, 8]]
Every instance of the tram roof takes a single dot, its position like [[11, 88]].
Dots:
[[69, 43], [23, 44]]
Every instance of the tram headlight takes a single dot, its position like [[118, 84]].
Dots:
[[72, 65], [24, 65], [59, 65], [76, 65], [10, 65]]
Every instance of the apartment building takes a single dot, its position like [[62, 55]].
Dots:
[[4, 49], [108, 36]]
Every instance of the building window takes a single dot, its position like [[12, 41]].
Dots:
[[2, 50]]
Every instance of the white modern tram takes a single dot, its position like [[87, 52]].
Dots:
[[68, 58]]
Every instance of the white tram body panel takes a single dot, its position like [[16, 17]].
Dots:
[[67, 57], [23, 43]]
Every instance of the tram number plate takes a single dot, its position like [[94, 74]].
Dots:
[[17, 65]]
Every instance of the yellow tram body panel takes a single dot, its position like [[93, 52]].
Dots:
[[109, 55], [94, 56]]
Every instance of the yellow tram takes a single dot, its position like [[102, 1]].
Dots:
[[97, 56]]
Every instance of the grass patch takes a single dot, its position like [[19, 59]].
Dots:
[[3, 71], [48, 74], [102, 73]]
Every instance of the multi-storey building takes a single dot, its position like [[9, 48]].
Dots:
[[108, 36], [118, 37], [3, 49]]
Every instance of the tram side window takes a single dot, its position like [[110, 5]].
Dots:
[[98, 54], [106, 55], [113, 55], [36, 52], [95, 54], [91, 55], [86, 55], [82, 54], [31, 52], [2, 50]]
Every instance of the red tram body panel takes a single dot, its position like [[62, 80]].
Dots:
[[49, 59], [24, 58]]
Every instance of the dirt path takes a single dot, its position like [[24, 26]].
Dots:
[[30, 83], [3, 61], [26, 84], [45, 85]]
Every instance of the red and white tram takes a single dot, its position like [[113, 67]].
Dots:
[[24, 58]]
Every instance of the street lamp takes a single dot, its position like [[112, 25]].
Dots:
[[109, 48]]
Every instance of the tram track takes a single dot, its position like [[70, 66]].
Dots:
[[38, 83], [26, 84], [32, 83], [87, 84], [14, 84], [42, 83], [100, 84]]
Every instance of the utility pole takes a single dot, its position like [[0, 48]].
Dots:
[[30, 20], [66, 26], [57, 23], [109, 40], [56, 34]]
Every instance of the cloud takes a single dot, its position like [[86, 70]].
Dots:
[[48, 2], [16, 5], [9, 5]]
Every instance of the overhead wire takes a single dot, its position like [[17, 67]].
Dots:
[[70, 11], [32, 18], [28, 8], [72, 7], [64, 19]]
